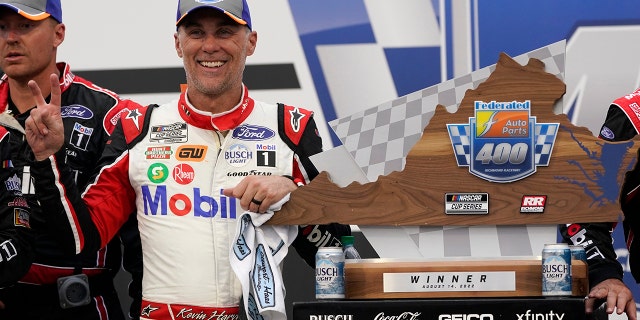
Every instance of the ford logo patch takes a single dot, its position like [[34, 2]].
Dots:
[[76, 111], [253, 133]]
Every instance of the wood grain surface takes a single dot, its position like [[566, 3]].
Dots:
[[578, 186]]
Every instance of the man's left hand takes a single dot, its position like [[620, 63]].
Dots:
[[258, 193], [617, 295]]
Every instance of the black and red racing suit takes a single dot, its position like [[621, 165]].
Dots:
[[170, 164], [89, 114], [622, 123], [16, 236]]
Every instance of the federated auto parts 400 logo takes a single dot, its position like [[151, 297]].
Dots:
[[502, 142]]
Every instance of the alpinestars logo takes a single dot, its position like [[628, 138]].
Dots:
[[296, 117]]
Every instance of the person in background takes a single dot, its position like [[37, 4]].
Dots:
[[16, 236], [59, 284], [605, 272], [189, 168]]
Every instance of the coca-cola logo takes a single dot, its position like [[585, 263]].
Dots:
[[253, 133], [76, 111], [402, 316]]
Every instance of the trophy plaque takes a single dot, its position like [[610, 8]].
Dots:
[[503, 157]]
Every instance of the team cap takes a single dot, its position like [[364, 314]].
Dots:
[[36, 9], [238, 10]]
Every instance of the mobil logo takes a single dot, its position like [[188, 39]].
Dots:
[[157, 201]]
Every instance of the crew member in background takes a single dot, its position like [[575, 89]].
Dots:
[[605, 272], [16, 236], [30, 33], [189, 168]]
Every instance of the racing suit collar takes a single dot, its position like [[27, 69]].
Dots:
[[66, 79], [218, 121]]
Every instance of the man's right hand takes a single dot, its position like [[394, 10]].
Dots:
[[44, 128]]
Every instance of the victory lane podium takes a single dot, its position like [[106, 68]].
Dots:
[[453, 278], [449, 289]]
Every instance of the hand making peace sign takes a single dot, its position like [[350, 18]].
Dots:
[[44, 128]]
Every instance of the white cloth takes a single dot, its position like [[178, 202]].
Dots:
[[256, 257]]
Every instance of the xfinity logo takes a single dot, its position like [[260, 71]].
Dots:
[[540, 316], [464, 316]]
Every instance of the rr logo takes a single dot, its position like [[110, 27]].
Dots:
[[533, 204], [534, 201]]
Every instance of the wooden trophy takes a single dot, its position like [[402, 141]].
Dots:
[[503, 158]]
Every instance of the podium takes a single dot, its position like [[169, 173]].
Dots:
[[453, 278], [453, 291]]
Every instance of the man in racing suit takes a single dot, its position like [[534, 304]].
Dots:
[[32, 31], [16, 236], [189, 168], [605, 272]]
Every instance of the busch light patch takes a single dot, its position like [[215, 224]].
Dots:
[[502, 142]]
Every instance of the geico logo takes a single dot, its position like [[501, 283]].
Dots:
[[462, 316], [159, 203]]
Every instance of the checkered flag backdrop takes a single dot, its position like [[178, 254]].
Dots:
[[379, 139]]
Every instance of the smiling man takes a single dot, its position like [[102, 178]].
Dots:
[[244, 155]]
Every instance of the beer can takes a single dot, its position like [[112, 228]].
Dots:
[[330, 273], [578, 253], [556, 270]]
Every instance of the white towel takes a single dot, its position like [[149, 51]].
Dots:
[[256, 257]]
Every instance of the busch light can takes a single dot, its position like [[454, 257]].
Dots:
[[330, 273], [556, 270], [578, 253]]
